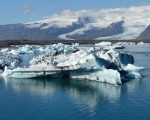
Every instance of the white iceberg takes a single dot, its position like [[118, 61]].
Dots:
[[132, 68], [116, 59], [26, 49], [13, 52], [4, 50], [9, 60], [62, 48], [133, 71], [79, 65], [98, 65], [104, 75], [103, 44], [7, 71]]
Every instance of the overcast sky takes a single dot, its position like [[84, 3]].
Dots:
[[23, 11]]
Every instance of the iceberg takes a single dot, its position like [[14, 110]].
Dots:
[[62, 48], [9, 60], [78, 65], [109, 45], [7, 71], [132, 68], [133, 71], [41, 49], [103, 44], [13, 52], [71, 61], [116, 59], [104, 75], [5, 50], [26, 49]]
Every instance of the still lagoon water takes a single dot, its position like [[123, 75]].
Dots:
[[66, 99]]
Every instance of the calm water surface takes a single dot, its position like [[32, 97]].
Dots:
[[65, 99]]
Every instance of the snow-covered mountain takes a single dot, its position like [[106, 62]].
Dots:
[[145, 34], [118, 23]]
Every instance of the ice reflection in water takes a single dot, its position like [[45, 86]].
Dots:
[[132, 85], [87, 93], [90, 94], [34, 86], [87, 97]]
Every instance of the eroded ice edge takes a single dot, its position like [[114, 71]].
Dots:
[[100, 63]]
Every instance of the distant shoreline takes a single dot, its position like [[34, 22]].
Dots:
[[7, 43]]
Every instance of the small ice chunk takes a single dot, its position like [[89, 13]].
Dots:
[[132, 68], [6, 72], [133, 75]]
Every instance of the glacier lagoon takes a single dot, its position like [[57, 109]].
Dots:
[[74, 99]]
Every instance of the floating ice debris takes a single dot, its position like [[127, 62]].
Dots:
[[140, 43], [7, 71], [41, 49], [15, 63], [5, 50], [103, 44], [9, 60], [133, 71], [118, 46], [109, 45], [62, 48], [132, 68], [13, 52], [25, 50], [116, 59], [125, 43]]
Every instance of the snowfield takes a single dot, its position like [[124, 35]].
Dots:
[[136, 19]]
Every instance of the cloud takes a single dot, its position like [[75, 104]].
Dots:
[[26, 6], [26, 9], [129, 13], [102, 17], [46, 17]]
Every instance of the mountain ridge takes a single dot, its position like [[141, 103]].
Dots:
[[115, 24]]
